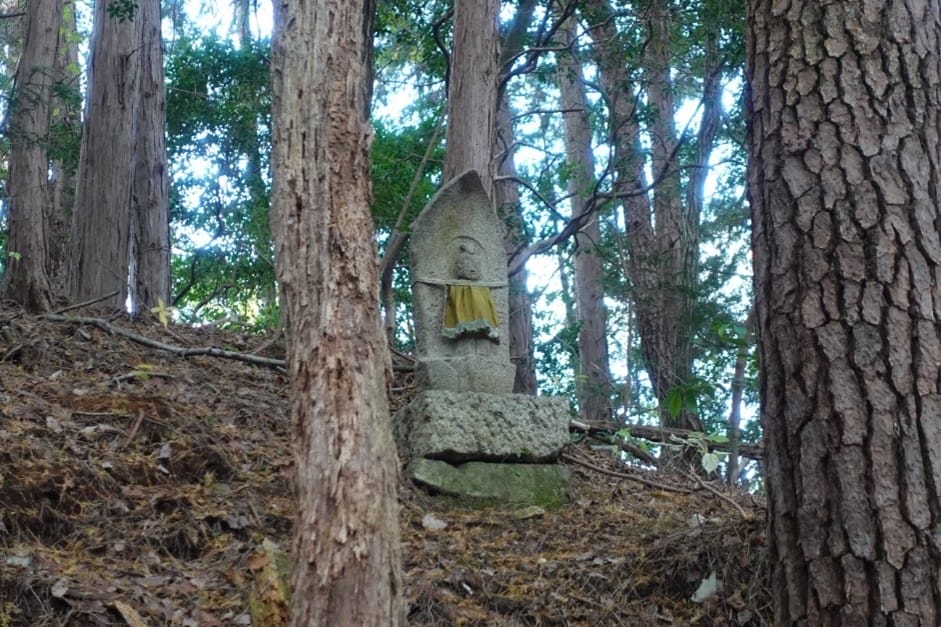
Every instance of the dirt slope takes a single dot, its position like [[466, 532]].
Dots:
[[143, 487]]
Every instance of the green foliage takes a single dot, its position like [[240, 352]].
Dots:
[[121, 10], [396, 156], [218, 124], [406, 51], [710, 460]]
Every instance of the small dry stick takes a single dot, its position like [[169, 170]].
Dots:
[[745, 515], [622, 475], [134, 428], [86, 303]]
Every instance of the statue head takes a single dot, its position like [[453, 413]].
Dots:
[[467, 259]]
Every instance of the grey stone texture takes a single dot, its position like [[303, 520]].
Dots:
[[465, 412], [493, 483], [462, 426], [459, 222]]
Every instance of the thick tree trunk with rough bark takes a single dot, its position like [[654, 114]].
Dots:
[[98, 245], [593, 376], [347, 569], [149, 253], [845, 116], [120, 238], [26, 278], [472, 93]]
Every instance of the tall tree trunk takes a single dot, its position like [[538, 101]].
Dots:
[[629, 182], [507, 197], [844, 122], [472, 93], [507, 200], [347, 569], [98, 246], [67, 129], [593, 377], [242, 21], [738, 389], [662, 235], [26, 276], [150, 201]]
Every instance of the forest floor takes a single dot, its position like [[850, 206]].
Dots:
[[144, 487]]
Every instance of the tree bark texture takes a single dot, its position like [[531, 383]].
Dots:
[[661, 245], [593, 376], [149, 253], [472, 93], [507, 199], [98, 246], [66, 127], [27, 271], [845, 189], [347, 568]]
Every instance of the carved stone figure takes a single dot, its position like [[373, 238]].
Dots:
[[465, 429], [459, 285]]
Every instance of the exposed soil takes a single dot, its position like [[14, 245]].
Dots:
[[143, 487]]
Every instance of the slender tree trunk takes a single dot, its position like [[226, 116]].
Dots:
[[67, 129], [593, 376], [507, 197], [507, 200], [472, 93], [843, 180], [397, 240], [646, 264], [663, 235], [242, 21], [26, 277], [98, 246], [738, 388], [347, 569], [150, 201]]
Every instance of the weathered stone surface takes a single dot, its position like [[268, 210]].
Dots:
[[516, 484], [463, 426], [458, 241]]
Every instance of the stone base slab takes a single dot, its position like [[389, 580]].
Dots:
[[484, 483]]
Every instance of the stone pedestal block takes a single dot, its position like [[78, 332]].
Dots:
[[464, 426], [466, 374]]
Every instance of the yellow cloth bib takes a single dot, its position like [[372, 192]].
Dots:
[[470, 309]]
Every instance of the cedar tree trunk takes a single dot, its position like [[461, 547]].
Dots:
[[98, 246], [593, 376], [26, 279], [347, 564], [150, 201], [472, 93]]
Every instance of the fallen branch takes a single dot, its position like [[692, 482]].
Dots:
[[86, 303], [624, 475], [210, 351], [745, 515], [665, 435]]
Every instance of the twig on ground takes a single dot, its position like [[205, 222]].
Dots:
[[86, 303], [745, 515], [623, 475], [209, 351]]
